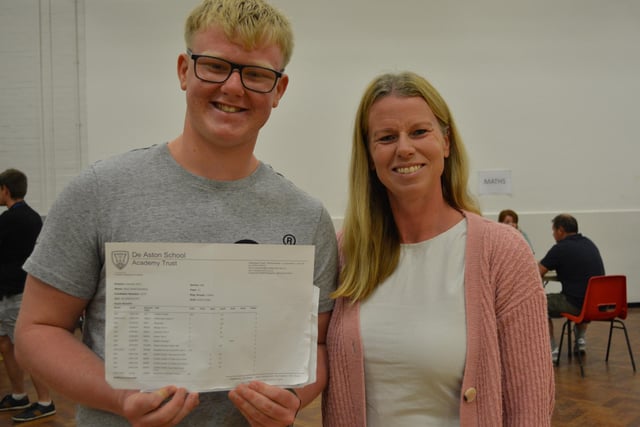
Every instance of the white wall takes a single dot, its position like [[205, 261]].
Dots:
[[41, 109], [547, 89]]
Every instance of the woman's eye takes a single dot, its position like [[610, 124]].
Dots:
[[419, 132], [387, 138]]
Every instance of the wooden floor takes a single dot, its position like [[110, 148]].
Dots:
[[608, 395]]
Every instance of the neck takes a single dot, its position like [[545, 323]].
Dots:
[[12, 202], [418, 222], [211, 162]]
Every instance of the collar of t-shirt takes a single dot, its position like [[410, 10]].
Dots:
[[17, 204]]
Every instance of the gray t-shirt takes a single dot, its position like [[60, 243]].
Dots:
[[145, 196]]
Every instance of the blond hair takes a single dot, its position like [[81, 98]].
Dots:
[[252, 23]]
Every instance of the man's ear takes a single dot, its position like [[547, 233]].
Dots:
[[561, 232], [281, 88], [183, 68]]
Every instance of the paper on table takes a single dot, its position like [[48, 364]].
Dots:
[[209, 316]]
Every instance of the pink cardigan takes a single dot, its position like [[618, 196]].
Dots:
[[508, 376]]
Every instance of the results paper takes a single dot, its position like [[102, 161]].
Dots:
[[209, 316]]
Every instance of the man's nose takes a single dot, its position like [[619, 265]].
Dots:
[[234, 82]]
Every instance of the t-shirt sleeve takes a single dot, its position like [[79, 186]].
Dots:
[[552, 258], [326, 261], [67, 254]]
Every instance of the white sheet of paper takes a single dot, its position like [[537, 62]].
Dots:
[[210, 316]]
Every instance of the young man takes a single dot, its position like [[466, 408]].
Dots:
[[204, 186], [575, 258], [19, 229]]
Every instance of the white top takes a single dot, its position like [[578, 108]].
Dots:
[[414, 336]]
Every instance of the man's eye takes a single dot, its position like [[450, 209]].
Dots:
[[218, 67], [214, 67], [258, 74]]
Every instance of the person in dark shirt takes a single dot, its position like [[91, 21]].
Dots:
[[19, 228], [575, 259]]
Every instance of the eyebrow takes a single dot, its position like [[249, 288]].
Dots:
[[427, 124]]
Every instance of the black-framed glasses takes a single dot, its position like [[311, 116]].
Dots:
[[217, 70]]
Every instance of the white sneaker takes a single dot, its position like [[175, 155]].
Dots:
[[580, 346], [555, 353]]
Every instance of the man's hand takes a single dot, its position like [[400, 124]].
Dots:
[[265, 405], [542, 269], [161, 408]]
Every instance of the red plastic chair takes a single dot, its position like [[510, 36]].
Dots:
[[604, 301]]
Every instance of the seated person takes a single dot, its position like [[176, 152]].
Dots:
[[575, 258], [510, 217]]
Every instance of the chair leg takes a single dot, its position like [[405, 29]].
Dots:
[[564, 326], [567, 326], [580, 363], [626, 336], [606, 359], [569, 350]]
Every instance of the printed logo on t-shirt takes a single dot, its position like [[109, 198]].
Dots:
[[287, 239]]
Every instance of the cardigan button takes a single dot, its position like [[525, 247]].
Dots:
[[470, 394]]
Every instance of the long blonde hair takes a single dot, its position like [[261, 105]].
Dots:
[[370, 239]]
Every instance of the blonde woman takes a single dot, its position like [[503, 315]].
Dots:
[[440, 318]]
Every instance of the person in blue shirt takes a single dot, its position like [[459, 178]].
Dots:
[[575, 259]]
